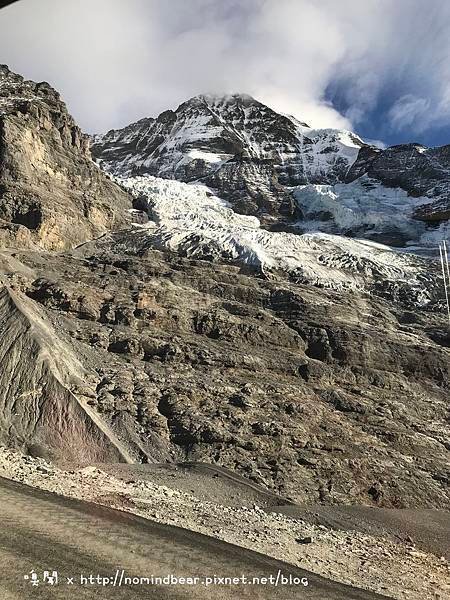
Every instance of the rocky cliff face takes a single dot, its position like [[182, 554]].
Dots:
[[51, 193], [414, 168]]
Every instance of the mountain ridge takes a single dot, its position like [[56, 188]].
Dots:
[[234, 144]]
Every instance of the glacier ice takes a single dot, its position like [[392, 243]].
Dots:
[[190, 219]]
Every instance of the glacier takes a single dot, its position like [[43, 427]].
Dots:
[[362, 208], [191, 220], [227, 178]]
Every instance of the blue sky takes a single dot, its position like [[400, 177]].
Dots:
[[377, 122], [379, 67]]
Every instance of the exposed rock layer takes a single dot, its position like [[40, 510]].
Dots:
[[51, 193], [321, 397]]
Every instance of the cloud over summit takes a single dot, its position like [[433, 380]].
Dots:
[[374, 64]]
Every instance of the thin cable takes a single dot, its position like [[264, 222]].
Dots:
[[444, 244]]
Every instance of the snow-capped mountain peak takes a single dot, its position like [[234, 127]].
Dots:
[[286, 173], [250, 154]]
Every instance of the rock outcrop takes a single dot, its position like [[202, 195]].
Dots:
[[51, 193]]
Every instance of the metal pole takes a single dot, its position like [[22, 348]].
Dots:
[[444, 265], [444, 245]]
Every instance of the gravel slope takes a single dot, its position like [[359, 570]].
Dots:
[[42, 531]]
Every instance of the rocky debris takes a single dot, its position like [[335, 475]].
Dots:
[[305, 540], [394, 568], [51, 193], [318, 396]]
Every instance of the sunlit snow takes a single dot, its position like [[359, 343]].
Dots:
[[190, 219]]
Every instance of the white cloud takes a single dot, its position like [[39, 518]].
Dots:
[[409, 109], [116, 61]]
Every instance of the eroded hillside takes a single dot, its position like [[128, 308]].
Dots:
[[317, 395]]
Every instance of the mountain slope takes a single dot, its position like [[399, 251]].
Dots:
[[321, 396], [198, 335], [45, 390], [246, 151], [51, 193], [190, 220], [412, 167]]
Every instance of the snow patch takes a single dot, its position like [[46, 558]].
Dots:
[[209, 157]]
